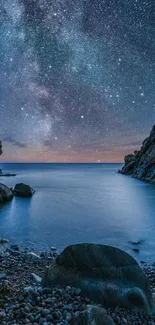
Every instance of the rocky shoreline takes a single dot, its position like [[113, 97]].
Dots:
[[24, 301], [141, 164]]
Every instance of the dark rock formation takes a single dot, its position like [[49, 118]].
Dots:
[[1, 147], [6, 175], [105, 274], [23, 190], [141, 164], [1, 153], [5, 194], [92, 315]]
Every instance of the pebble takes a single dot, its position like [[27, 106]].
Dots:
[[28, 289], [45, 312], [32, 256], [2, 276], [36, 278]]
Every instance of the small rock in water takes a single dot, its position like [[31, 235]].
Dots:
[[137, 242], [4, 241], [15, 247], [135, 250], [53, 248], [23, 190], [13, 252], [36, 278]]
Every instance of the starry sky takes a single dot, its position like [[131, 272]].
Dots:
[[77, 79]]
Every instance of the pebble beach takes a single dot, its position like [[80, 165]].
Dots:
[[24, 301]]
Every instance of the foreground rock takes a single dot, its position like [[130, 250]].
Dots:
[[141, 164], [92, 315], [23, 190], [5, 194], [24, 301], [105, 274]]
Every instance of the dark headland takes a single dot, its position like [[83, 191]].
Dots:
[[141, 164]]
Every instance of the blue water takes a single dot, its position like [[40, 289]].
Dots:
[[76, 203]]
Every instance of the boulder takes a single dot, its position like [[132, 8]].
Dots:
[[92, 315], [5, 194], [141, 164], [107, 275], [23, 190]]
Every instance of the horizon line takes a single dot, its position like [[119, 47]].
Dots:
[[61, 162]]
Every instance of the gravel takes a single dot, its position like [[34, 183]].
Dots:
[[24, 301]]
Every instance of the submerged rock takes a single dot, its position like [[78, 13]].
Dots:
[[23, 190], [105, 274], [5, 194], [141, 164]]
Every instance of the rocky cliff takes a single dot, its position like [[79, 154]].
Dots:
[[141, 164], [1, 153], [1, 147]]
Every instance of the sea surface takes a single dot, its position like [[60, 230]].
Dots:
[[75, 203]]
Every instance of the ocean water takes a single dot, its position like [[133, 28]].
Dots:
[[76, 203]]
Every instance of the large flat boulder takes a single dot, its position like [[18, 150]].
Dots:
[[23, 190], [107, 275], [5, 194]]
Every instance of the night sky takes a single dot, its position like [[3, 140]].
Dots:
[[77, 78]]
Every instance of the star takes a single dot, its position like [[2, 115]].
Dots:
[[75, 76]]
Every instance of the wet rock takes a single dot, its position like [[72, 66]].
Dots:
[[53, 248], [138, 242], [105, 274], [15, 247], [135, 250], [5, 194], [7, 175], [4, 241], [23, 190]]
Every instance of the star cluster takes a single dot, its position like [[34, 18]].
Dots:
[[77, 78]]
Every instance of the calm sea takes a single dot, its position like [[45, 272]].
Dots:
[[76, 203]]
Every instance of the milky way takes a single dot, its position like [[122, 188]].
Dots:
[[77, 78]]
